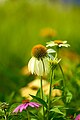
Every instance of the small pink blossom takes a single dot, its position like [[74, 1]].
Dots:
[[24, 105], [77, 117]]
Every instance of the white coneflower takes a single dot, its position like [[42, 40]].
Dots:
[[39, 64], [58, 43]]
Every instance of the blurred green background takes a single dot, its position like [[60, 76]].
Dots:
[[20, 25]]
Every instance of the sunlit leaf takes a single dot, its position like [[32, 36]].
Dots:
[[38, 93], [68, 96], [56, 110], [56, 99], [56, 81], [35, 116]]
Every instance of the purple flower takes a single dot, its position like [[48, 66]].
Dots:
[[77, 117], [24, 105]]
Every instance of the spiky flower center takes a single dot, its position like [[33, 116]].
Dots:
[[58, 42], [39, 51]]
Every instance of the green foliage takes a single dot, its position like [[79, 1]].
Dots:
[[68, 96], [56, 99], [56, 110]]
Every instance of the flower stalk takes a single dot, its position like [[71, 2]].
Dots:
[[64, 85], [41, 89], [28, 115], [62, 75], [50, 90], [42, 97]]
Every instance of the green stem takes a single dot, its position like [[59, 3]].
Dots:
[[62, 75], [41, 89], [42, 97], [57, 50], [64, 85], [50, 90], [28, 115]]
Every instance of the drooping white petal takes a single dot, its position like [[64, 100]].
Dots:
[[31, 64], [50, 56], [46, 65], [51, 51], [39, 68], [36, 68]]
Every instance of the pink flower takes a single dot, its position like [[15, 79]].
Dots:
[[77, 117], [24, 105]]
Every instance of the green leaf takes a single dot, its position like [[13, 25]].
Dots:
[[40, 100], [61, 107], [56, 81], [38, 93], [58, 87], [35, 116], [68, 96], [56, 110], [33, 119], [55, 99], [16, 117]]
